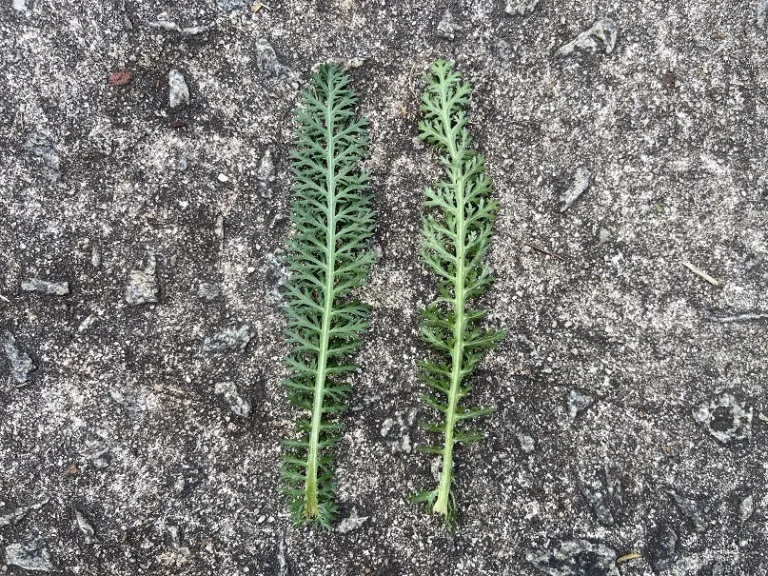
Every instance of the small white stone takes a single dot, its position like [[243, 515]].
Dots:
[[527, 444], [178, 93], [520, 7], [223, 177], [746, 508], [20, 6], [352, 523]]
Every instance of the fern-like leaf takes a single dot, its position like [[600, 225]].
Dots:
[[456, 234], [328, 257]]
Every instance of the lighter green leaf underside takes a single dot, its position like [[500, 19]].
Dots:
[[456, 234]]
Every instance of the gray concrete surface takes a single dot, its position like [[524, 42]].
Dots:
[[631, 390]]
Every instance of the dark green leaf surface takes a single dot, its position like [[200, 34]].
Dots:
[[328, 257]]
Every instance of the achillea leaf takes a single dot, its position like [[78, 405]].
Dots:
[[456, 234], [328, 257]]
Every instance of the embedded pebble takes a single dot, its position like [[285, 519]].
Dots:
[[266, 59], [208, 291], [43, 146], [170, 26], [266, 175], [21, 6], [352, 523], [447, 28], [29, 556], [520, 7], [45, 287], [179, 485], [386, 427], [219, 227], [229, 340], [142, 284], [236, 403], [746, 508], [83, 524], [504, 49], [716, 569], [95, 257], [230, 5], [276, 275], [436, 467], [97, 452], [725, 419], [578, 187], [89, 321], [603, 32], [178, 93], [574, 557], [578, 402], [21, 363], [527, 443]]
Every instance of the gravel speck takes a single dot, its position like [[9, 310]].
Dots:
[[266, 59], [266, 175], [142, 285], [520, 7], [574, 557], [746, 508], [20, 513], [178, 93], [229, 340], [171, 26], [725, 419], [697, 511], [236, 403], [447, 28], [578, 402], [527, 443], [45, 287], [29, 556], [43, 146], [207, 291], [83, 525], [594, 493], [663, 552], [21, 363], [21, 6], [578, 187], [603, 32], [352, 523], [230, 5]]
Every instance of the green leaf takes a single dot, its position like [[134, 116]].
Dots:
[[328, 255], [456, 234]]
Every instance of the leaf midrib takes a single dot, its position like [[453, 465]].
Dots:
[[311, 506], [457, 177]]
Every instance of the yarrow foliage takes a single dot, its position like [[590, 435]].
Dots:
[[328, 257], [456, 234]]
